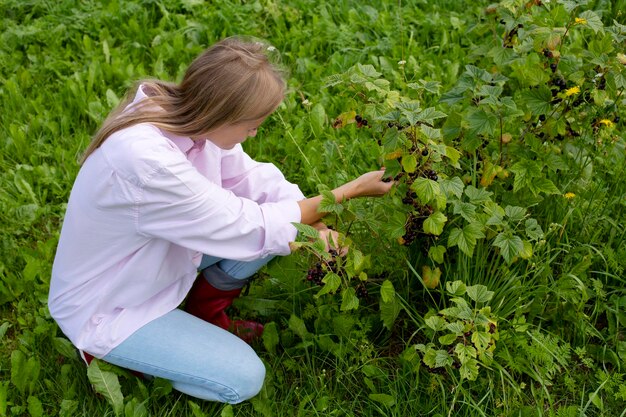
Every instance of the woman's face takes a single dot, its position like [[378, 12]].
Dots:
[[229, 135]]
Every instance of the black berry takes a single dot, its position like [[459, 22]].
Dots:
[[553, 67], [542, 117], [425, 152], [358, 118]]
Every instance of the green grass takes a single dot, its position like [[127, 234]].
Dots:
[[560, 313]]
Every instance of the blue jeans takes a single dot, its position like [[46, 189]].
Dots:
[[200, 359]]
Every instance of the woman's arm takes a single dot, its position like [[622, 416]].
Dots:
[[367, 185]]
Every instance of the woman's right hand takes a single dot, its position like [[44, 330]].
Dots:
[[370, 184]]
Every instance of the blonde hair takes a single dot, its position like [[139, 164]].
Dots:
[[232, 81]]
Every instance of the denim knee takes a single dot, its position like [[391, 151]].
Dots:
[[252, 382]]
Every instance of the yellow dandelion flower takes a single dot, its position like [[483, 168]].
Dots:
[[606, 122], [580, 21], [569, 196], [572, 91]]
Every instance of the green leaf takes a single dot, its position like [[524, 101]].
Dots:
[[481, 122], [534, 230], [296, 325], [270, 337], [429, 115], [443, 358], [35, 409], [384, 399], [479, 293], [593, 21], [68, 408], [426, 189], [368, 70], [465, 352], [306, 230], [481, 340], [106, 384], [510, 245], [466, 210], [318, 119], [454, 156], [434, 223], [515, 213], [435, 322], [538, 100], [409, 163], [452, 186], [477, 195], [349, 300], [447, 339], [466, 238], [436, 253], [456, 288], [329, 203], [331, 282], [389, 312], [387, 292], [469, 370], [543, 185], [456, 327]]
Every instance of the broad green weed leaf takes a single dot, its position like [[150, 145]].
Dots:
[[68, 408], [107, 384], [387, 292], [384, 399], [135, 408], [35, 408], [296, 325], [318, 119], [543, 185], [270, 337], [389, 312]]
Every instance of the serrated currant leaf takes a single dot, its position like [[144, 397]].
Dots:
[[349, 300], [469, 370], [426, 189], [479, 293], [510, 245], [452, 187], [434, 223], [436, 253], [456, 288]]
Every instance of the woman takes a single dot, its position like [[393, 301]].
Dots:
[[165, 189]]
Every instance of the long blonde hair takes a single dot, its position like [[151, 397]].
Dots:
[[230, 82]]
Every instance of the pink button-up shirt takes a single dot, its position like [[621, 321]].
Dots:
[[144, 208]]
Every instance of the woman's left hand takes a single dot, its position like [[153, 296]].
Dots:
[[330, 238]]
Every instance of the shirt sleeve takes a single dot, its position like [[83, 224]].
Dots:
[[261, 182], [180, 205]]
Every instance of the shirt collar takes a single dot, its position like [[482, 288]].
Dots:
[[184, 143]]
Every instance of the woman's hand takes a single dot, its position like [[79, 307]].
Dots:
[[370, 184]]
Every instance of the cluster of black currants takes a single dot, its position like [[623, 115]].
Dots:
[[321, 268], [361, 291], [412, 229], [360, 121]]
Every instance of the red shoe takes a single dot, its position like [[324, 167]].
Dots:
[[209, 303]]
